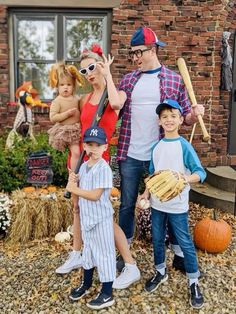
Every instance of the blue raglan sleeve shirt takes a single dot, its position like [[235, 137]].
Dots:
[[151, 166], [191, 160]]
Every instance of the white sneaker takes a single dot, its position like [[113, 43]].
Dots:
[[129, 275], [74, 261]]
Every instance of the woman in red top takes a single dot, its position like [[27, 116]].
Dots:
[[107, 122], [96, 69]]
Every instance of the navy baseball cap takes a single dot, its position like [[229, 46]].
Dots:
[[171, 103], [96, 135], [145, 36]]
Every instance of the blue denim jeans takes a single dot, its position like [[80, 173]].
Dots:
[[131, 171], [180, 229]]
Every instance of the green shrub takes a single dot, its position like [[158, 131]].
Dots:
[[13, 162]]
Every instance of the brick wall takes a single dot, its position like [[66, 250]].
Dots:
[[193, 30]]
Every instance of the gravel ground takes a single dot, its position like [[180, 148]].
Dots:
[[29, 283]]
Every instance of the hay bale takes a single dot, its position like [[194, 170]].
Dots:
[[35, 216]]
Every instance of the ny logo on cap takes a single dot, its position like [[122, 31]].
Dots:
[[94, 132]]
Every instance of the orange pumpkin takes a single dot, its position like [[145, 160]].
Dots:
[[51, 188], [29, 189], [212, 235], [114, 141], [43, 191], [115, 192]]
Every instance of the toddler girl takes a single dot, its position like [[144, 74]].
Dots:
[[64, 110]]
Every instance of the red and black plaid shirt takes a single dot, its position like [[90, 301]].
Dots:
[[171, 87]]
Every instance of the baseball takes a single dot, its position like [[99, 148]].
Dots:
[[144, 204]]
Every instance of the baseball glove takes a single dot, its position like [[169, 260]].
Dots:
[[166, 184]]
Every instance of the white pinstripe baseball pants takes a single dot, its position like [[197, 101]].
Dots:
[[99, 250]]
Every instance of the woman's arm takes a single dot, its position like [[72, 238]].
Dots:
[[116, 98]]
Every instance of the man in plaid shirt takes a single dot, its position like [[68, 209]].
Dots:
[[145, 88]]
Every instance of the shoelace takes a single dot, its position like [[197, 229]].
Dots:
[[124, 270], [80, 286], [69, 259], [97, 296], [196, 291], [155, 275]]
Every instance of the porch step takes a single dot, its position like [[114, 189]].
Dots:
[[222, 177], [212, 197]]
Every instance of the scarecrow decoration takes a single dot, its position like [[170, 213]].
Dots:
[[27, 97]]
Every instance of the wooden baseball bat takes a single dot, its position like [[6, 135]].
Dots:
[[188, 84], [97, 117]]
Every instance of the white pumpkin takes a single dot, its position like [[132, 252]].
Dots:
[[70, 230], [62, 236], [144, 204]]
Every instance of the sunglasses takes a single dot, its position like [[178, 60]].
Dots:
[[90, 68], [138, 53]]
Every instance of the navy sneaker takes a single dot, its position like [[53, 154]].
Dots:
[[101, 301], [178, 263], [78, 292], [153, 283], [196, 298], [120, 263]]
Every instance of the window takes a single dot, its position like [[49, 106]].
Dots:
[[43, 37]]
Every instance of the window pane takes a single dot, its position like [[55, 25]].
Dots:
[[36, 39], [38, 74], [81, 33]]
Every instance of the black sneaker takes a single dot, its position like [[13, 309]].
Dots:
[[78, 292], [120, 264], [196, 298], [178, 263], [101, 301], [153, 283]]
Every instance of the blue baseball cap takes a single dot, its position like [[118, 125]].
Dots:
[[145, 36], [96, 135], [171, 103]]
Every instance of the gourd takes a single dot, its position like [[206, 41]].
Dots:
[[29, 189], [70, 230], [115, 194], [43, 191], [62, 236], [51, 188], [212, 235]]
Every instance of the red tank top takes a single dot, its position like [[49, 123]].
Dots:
[[108, 121]]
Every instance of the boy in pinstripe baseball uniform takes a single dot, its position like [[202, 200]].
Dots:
[[96, 214]]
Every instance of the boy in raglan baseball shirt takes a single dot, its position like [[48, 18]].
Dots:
[[96, 215], [175, 153]]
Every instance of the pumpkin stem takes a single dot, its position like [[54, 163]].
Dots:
[[214, 215]]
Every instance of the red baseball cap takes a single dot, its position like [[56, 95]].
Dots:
[[145, 36]]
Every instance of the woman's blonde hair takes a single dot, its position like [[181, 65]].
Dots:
[[94, 52]]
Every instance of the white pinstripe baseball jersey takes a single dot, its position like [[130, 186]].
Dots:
[[98, 176]]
